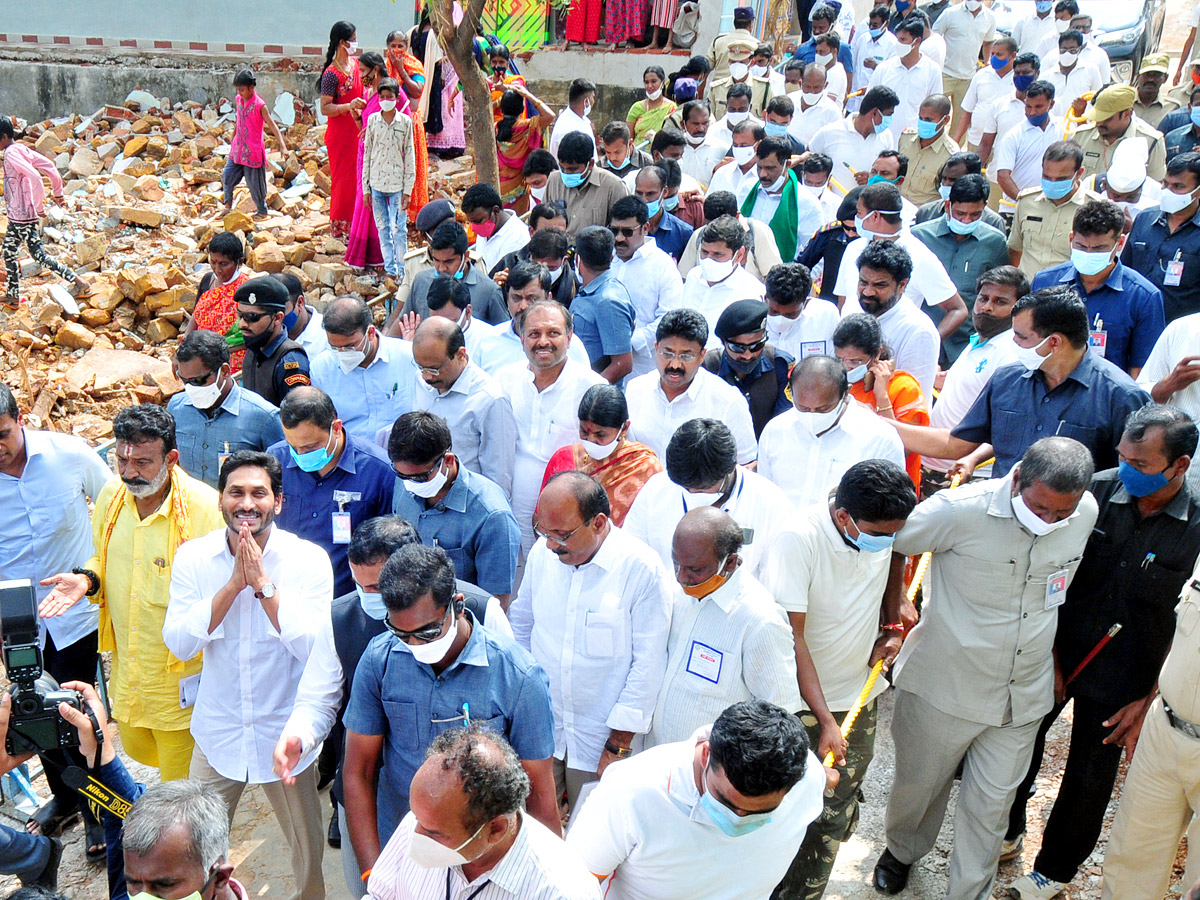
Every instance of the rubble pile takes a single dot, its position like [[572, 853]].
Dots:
[[142, 187]]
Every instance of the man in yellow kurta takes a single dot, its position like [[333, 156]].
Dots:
[[138, 524]]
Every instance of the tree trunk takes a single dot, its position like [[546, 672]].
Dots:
[[457, 43]]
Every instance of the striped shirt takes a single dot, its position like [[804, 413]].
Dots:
[[538, 866], [733, 645]]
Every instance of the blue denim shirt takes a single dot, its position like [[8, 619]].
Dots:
[[604, 318], [407, 703], [309, 500], [672, 235], [1152, 247], [1126, 307], [473, 524], [1015, 409], [243, 421]]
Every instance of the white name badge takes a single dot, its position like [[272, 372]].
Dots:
[[1174, 273], [341, 527], [1056, 589], [705, 662], [1098, 341], [812, 348]]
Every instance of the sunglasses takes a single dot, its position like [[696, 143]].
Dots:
[[252, 317], [623, 231], [745, 348], [428, 633]]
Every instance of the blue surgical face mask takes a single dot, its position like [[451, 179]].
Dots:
[[944, 191], [774, 129], [857, 374], [1044, 6], [315, 460], [1039, 120], [726, 819], [289, 320], [884, 124], [1086, 263], [1022, 82], [958, 227], [572, 179], [653, 207], [927, 130], [1138, 483], [879, 179], [1194, 115], [670, 203], [870, 543], [372, 604], [877, 33], [623, 165], [1056, 190]]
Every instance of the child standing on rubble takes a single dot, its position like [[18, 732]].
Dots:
[[25, 196], [248, 151], [389, 173]]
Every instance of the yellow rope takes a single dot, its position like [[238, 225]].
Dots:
[[923, 563], [848, 722]]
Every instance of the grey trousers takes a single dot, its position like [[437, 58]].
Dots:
[[350, 870], [929, 744]]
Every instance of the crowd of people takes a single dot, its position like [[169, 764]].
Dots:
[[612, 522]]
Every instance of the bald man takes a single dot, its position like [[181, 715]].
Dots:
[[479, 414], [593, 608], [730, 641]]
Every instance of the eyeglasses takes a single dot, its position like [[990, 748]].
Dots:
[[667, 356], [623, 231], [435, 371], [252, 317], [425, 635], [745, 348], [200, 381], [558, 539], [426, 475]]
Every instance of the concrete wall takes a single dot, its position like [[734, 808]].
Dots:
[[294, 22]]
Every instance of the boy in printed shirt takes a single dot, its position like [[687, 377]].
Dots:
[[388, 175]]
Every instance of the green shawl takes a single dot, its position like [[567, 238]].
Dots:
[[786, 219]]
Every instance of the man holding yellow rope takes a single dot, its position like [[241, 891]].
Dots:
[[1004, 552], [831, 571]]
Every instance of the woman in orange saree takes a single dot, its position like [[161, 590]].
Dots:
[[620, 465], [516, 138], [409, 72]]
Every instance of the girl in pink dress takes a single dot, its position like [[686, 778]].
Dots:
[[362, 247], [247, 151]]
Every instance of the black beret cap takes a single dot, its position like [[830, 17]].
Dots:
[[265, 292], [741, 317]]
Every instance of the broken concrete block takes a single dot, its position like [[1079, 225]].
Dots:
[[268, 257], [91, 249], [133, 215], [147, 188], [135, 145], [159, 330], [74, 336], [238, 221], [85, 162]]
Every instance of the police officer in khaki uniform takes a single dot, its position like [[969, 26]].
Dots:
[[1112, 120], [718, 55], [1151, 105], [274, 363], [1162, 790], [1040, 236], [740, 52], [926, 155]]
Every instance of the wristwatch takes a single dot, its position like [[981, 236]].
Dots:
[[267, 592], [93, 580]]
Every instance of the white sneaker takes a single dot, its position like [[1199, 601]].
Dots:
[[1035, 886], [1012, 849]]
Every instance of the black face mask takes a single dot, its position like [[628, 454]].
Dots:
[[258, 342], [742, 366]]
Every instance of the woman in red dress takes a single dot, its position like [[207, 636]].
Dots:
[[341, 104], [215, 309]]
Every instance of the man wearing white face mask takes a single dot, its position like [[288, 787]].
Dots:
[[720, 279], [1004, 552], [473, 776], [797, 323], [739, 176], [720, 133], [806, 450], [213, 415], [450, 300], [912, 76], [1125, 311], [1058, 387], [719, 89], [701, 155], [812, 110], [368, 376]]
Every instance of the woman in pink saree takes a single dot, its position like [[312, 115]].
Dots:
[[362, 247]]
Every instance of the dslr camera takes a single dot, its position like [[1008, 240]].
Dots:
[[34, 724]]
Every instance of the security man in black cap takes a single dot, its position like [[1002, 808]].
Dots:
[[274, 363], [749, 363], [430, 216]]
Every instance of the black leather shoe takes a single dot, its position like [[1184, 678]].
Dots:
[[335, 834], [891, 875]]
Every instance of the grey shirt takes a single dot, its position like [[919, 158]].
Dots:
[[487, 302], [982, 650]]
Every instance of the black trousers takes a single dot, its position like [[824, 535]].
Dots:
[[75, 662], [1078, 814]]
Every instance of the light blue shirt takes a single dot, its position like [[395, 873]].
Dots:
[[45, 527], [370, 397], [243, 421]]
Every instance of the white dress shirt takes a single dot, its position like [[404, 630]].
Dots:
[[934, 48], [754, 503], [500, 346], [913, 337], [1090, 55], [809, 334], [964, 382], [699, 161], [807, 122], [810, 217], [313, 338], [369, 398], [538, 866], [733, 645], [836, 81], [912, 85], [546, 420], [806, 466], [711, 299], [654, 418], [568, 120], [251, 671], [1020, 150], [654, 285], [479, 414], [965, 32], [865, 47], [849, 150], [839, 589], [730, 177], [986, 86], [509, 238], [645, 822], [1030, 31], [998, 118], [1084, 78], [1180, 338], [600, 632], [930, 284]]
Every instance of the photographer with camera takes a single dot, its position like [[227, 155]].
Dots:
[[140, 522], [32, 858], [46, 480]]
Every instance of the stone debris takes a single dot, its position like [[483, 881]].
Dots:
[[142, 186]]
